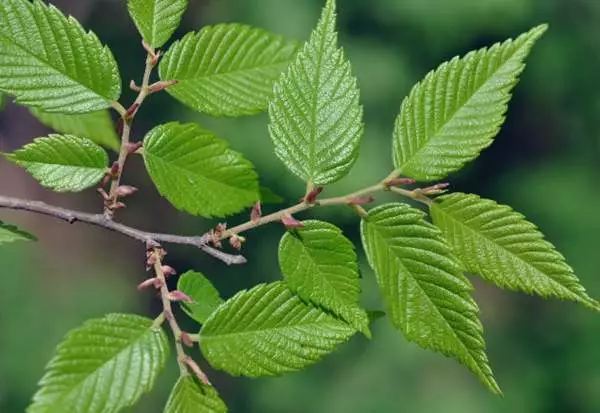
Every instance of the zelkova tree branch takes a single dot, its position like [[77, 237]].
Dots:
[[100, 220]]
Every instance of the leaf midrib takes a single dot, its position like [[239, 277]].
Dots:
[[505, 252], [48, 64], [475, 363], [451, 116]]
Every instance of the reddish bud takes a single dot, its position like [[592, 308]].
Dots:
[[162, 85], [168, 271], [103, 193], [437, 189], [256, 212], [134, 87], [180, 296], [400, 182], [126, 190], [133, 147], [120, 127], [186, 339], [290, 222], [311, 197], [361, 200], [196, 370], [236, 241], [131, 111], [150, 282], [118, 205], [115, 170]]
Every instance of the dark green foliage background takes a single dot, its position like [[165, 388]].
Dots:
[[545, 163]]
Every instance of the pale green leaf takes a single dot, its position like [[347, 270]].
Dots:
[[267, 196], [226, 69], [320, 265], [156, 19], [268, 331], [103, 366], [10, 233], [63, 163], [315, 114], [457, 110], [426, 295], [499, 244], [198, 172], [189, 396], [49, 61], [96, 126], [205, 295]]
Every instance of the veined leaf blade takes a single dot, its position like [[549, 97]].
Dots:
[[156, 20], [205, 296], [103, 366], [504, 248], [315, 117], [268, 331], [49, 61], [189, 396], [457, 110], [426, 295], [198, 172], [226, 69], [63, 163], [10, 233]]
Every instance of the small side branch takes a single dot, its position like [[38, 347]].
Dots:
[[99, 220]]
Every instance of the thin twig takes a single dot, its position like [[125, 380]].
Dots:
[[100, 220]]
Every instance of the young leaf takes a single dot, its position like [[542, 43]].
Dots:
[[226, 69], [267, 196], [206, 297], [49, 61], [456, 111], [495, 241], [426, 295], [320, 265], [315, 114], [103, 366], [96, 126], [268, 331], [63, 163], [156, 19], [197, 172], [10, 233], [189, 396]]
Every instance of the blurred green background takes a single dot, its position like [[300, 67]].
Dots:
[[546, 354]]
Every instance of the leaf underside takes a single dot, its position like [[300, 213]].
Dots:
[[315, 115], [226, 69], [49, 61], [102, 367], [206, 297], [156, 20], [499, 244], [189, 396], [198, 172], [320, 265], [96, 126], [268, 331], [426, 295], [456, 111], [63, 163]]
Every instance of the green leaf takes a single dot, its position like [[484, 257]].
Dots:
[[10, 233], [426, 295], [315, 114], [197, 172], [63, 163], [268, 331], [96, 126], [156, 19], [499, 244], [189, 396], [320, 265], [226, 69], [205, 295], [49, 61], [456, 111], [102, 367]]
